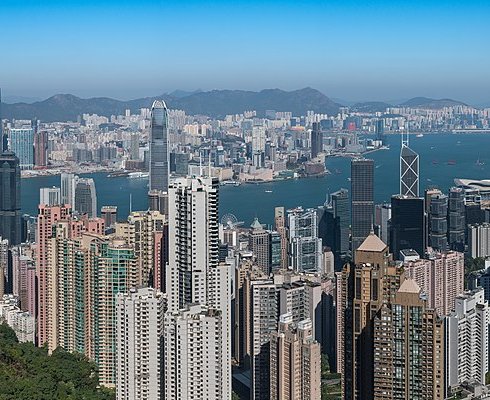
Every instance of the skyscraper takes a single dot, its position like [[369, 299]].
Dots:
[[467, 339], [159, 147], [140, 352], [409, 170], [408, 344], [437, 219], [362, 200], [193, 361], [68, 185], [50, 196], [305, 247], [407, 225], [86, 197], [41, 149], [22, 144], [295, 361], [194, 274], [10, 203], [316, 139], [47, 217], [456, 218]]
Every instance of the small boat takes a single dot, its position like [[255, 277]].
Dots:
[[268, 191], [479, 162], [435, 162], [451, 162], [420, 135]]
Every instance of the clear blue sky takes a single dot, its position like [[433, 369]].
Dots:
[[356, 50]]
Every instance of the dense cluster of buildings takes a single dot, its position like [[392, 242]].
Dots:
[[172, 303]]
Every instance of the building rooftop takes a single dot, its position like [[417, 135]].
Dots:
[[372, 243], [409, 286]]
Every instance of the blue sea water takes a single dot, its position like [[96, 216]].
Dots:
[[249, 200]]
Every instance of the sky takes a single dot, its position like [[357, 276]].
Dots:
[[352, 50]]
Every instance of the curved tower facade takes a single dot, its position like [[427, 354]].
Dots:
[[159, 151]]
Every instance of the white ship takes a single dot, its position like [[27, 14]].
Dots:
[[138, 175]]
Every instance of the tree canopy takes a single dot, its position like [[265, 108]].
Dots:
[[28, 372]]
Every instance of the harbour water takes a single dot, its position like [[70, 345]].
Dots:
[[443, 157]]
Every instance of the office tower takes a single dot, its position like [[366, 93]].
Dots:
[[467, 339], [362, 200], [160, 259], [341, 215], [86, 197], [280, 226], [408, 340], [479, 240], [305, 247], [50, 196], [113, 271], [109, 215], [260, 245], [158, 201], [22, 144], [139, 231], [407, 225], [295, 361], [263, 322], [40, 149], [456, 219], [362, 289], [437, 220], [193, 362], [409, 169], [382, 217], [159, 147], [316, 139], [68, 185], [10, 203], [140, 347], [47, 217], [3, 139], [135, 147], [440, 277], [194, 274], [275, 251]]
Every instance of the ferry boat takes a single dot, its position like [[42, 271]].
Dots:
[[138, 175], [419, 135], [230, 183]]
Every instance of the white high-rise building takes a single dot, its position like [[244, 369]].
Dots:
[[479, 240], [194, 274], [68, 184], [258, 139], [140, 316], [305, 247], [467, 339], [193, 364], [50, 196]]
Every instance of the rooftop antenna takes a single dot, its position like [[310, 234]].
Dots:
[[130, 202], [1, 124], [209, 165]]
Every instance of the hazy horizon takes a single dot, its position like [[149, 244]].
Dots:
[[352, 50]]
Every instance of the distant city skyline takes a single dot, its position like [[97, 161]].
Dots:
[[351, 50]]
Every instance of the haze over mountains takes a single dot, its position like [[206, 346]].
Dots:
[[215, 103]]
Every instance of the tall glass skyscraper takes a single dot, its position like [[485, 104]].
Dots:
[[362, 200], [22, 144], [10, 227], [409, 172], [159, 147]]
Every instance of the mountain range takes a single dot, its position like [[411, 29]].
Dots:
[[215, 103]]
